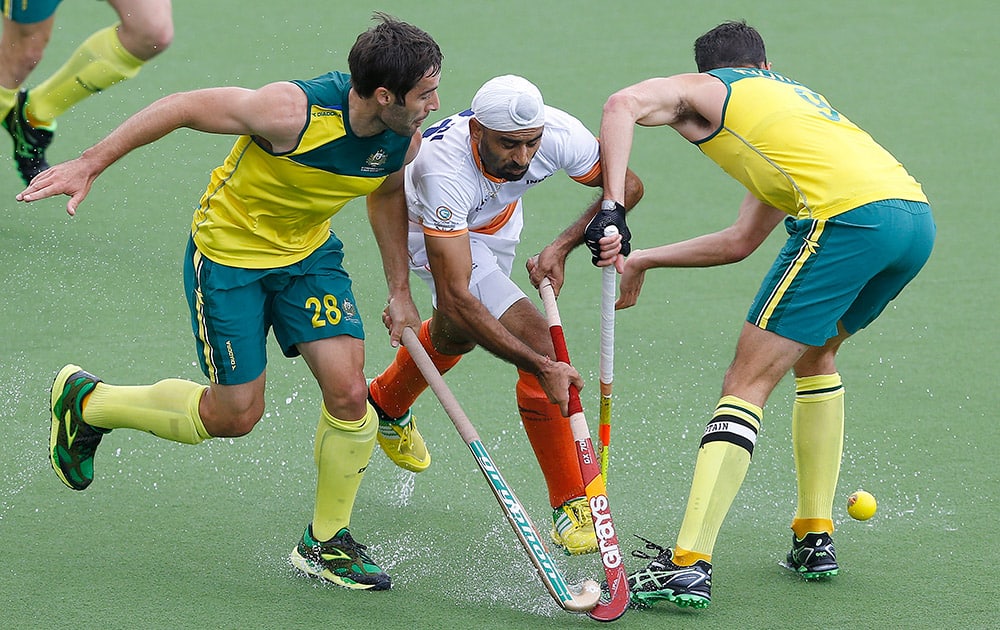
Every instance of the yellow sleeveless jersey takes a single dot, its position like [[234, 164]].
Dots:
[[264, 210], [795, 152]]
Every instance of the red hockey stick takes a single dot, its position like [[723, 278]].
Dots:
[[597, 495]]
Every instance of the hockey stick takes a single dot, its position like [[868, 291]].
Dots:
[[597, 494], [607, 367], [574, 598]]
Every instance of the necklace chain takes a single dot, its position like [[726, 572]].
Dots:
[[488, 190]]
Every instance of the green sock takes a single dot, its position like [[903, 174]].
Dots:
[[8, 99], [99, 62]]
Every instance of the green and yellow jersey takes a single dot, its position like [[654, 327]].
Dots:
[[263, 210], [795, 152]]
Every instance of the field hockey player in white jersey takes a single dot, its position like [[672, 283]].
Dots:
[[464, 193]]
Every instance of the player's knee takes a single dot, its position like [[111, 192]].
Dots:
[[347, 401], [445, 343], [147, 39], [452, 347], [23, 60], [237, 422], [159, 38]]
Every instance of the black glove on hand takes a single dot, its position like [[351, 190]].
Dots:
[[611, 213]]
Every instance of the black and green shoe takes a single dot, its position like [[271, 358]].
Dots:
[[340, 560], [72, 442], [814, 557], [29, 142], [662, 579]]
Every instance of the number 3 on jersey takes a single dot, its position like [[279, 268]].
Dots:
[[817, 101], [325, 311]]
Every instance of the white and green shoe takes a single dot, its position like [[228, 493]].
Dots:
[[573, 527]]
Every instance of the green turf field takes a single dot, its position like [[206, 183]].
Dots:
[[175, 536]]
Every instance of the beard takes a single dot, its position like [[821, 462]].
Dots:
[[512, 174]]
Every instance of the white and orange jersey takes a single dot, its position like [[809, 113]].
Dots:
[[448, 193]]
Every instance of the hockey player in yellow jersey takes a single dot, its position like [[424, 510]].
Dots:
[[860, 229], [262, 257]]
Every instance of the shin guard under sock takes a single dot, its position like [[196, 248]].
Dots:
[[551, 439], [342, 452], [722, 463], [818, 444], [398, 386]]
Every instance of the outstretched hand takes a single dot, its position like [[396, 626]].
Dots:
[[73, 178], [633, 276]]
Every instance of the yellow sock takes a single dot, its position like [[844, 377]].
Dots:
[[99, 62], [817, 442], [8, 98], [168, 409], [342, 452], [723, 459]]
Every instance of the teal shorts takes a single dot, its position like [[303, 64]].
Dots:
[[232, 309], [29, 11], [844, 269]]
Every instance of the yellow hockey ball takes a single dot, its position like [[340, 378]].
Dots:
[[861, 505]]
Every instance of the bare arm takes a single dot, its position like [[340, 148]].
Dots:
[[276, 113], [753, 224], [388, 217], [551, 261], [690, 103], [450, 260]]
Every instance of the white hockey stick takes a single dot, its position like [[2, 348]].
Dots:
[[609, 283]]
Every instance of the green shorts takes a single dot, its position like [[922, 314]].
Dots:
[[29, 11], [844, 269], [232, 309]]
